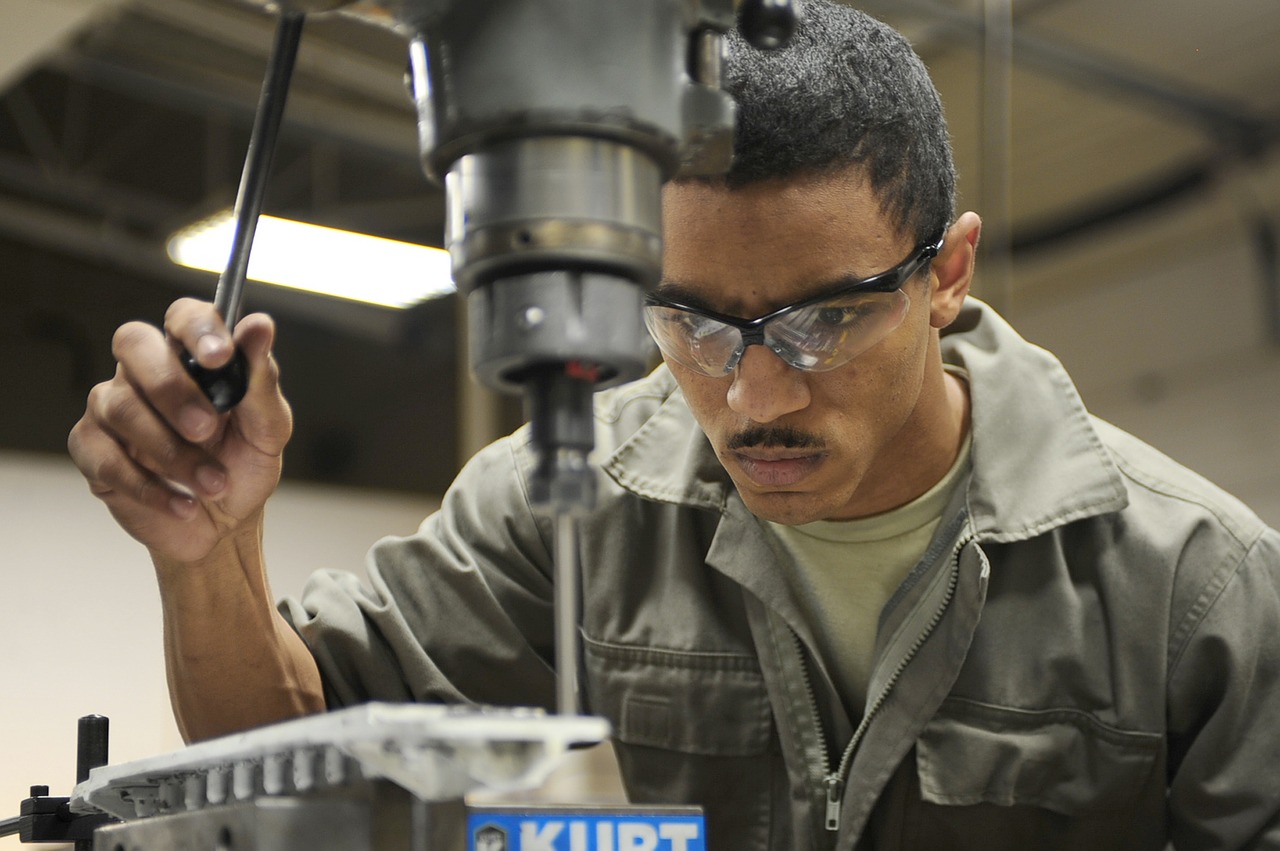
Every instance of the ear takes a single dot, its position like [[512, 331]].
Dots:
[[953, 270]]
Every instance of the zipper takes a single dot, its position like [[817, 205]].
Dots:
[[834, 781], [807, 679]]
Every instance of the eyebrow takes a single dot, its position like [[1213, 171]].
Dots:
[[682, 293], [685, 294]]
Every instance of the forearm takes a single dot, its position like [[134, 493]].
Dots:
[[232, 661]]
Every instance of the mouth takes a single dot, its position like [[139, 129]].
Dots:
[[777, 467]]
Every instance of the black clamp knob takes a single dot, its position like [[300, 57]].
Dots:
[[767, 24]]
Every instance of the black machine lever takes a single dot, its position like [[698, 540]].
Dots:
[[227, 385]]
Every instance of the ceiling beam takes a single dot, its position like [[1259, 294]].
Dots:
[[106, 200], [1229, 123], [360, 75], [374, 131]]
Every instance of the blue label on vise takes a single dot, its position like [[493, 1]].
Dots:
[[511, 829]]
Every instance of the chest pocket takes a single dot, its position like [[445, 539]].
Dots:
[[713, 704], [693, 728], [1065, 761]]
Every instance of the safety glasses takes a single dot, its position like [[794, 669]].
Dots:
[[817, 334]]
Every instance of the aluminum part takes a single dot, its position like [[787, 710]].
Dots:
[[435, 752]]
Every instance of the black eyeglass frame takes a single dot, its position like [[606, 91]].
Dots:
[[888, 281]]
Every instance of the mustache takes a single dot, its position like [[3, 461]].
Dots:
[[785, 437]]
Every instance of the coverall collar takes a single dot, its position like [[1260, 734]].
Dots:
[[1037, 460]]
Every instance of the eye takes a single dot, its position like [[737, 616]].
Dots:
[[838, 316]]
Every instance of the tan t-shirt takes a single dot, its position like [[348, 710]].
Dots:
[[846, 570]]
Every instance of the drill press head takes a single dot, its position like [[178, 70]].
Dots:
[[553, 127]]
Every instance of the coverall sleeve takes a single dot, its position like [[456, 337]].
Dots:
[[460, 612], [1224, 710]]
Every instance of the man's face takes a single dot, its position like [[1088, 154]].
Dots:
[[803, 446]]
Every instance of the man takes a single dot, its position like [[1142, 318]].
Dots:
[[876, 581]]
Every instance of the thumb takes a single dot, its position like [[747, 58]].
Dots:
[[263, 417]]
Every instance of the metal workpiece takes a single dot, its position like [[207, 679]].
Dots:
[[317, 824], [437, 753], [378, 777], [377, 816]]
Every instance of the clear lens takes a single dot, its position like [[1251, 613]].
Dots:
[[831, 333], [698, 342], [815, 338]]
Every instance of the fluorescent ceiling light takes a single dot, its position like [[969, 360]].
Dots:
[[320, 260]]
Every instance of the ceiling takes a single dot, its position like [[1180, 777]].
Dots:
[[122, 120]]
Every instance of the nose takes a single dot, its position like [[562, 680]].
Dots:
[[765, 388]]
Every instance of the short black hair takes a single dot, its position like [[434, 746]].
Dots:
[[847, 90]]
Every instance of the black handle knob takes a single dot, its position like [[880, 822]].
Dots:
[[767, 24], [224, 386]]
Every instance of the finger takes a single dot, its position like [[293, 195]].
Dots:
[[196, 327], [263, 417], [149, 442], [149, 365], [116, 479]]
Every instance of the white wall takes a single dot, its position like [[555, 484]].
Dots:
[[80, 617], [1171, 343]]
